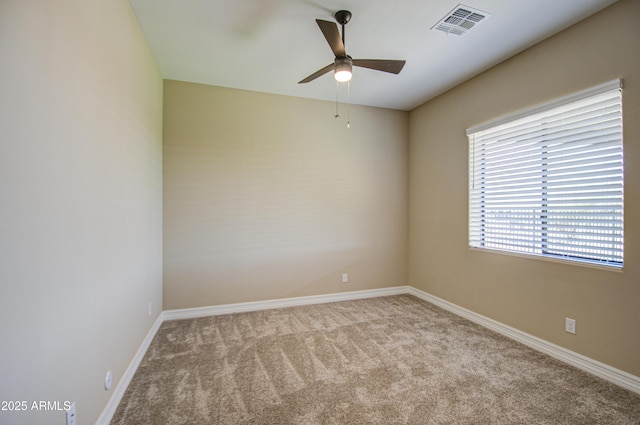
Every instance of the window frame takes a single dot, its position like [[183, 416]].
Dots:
[[476, 241]]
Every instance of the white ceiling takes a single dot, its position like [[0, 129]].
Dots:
[[270, 45]]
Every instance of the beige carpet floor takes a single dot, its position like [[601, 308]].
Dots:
[[388, 360]]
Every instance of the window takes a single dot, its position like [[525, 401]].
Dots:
[[549, 181]]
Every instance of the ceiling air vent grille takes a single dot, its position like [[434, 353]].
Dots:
[[460, 20]]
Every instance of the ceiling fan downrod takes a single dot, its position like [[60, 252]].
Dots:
[[343, 17]]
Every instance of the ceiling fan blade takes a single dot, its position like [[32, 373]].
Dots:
[[392, 66], [331, 33], [317, 74]]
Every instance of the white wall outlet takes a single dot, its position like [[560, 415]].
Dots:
[[71, 415], [150, 309], [570, 325], [107, 381], [345, 277]]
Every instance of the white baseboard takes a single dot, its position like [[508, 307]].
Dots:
[[118, 392], [189, 313], [594, 367]]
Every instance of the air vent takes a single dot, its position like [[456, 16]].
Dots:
[[460, 20]]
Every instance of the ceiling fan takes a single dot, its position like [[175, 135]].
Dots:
[[343, 63]]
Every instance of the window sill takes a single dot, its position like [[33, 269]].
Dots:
[[551, 259]]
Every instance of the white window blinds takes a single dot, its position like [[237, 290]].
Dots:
[[549, 181]]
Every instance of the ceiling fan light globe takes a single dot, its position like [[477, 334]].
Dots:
[[342, 76], [342, 69]]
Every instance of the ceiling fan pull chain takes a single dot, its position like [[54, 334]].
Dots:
[[348, 104], [336, 115]]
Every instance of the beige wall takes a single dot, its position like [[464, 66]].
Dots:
[[80, 201], [530, 294], [269, 197]]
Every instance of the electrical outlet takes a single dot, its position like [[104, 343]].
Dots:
[[71, 415], [570, 325], [107, 381], [345, 278]]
